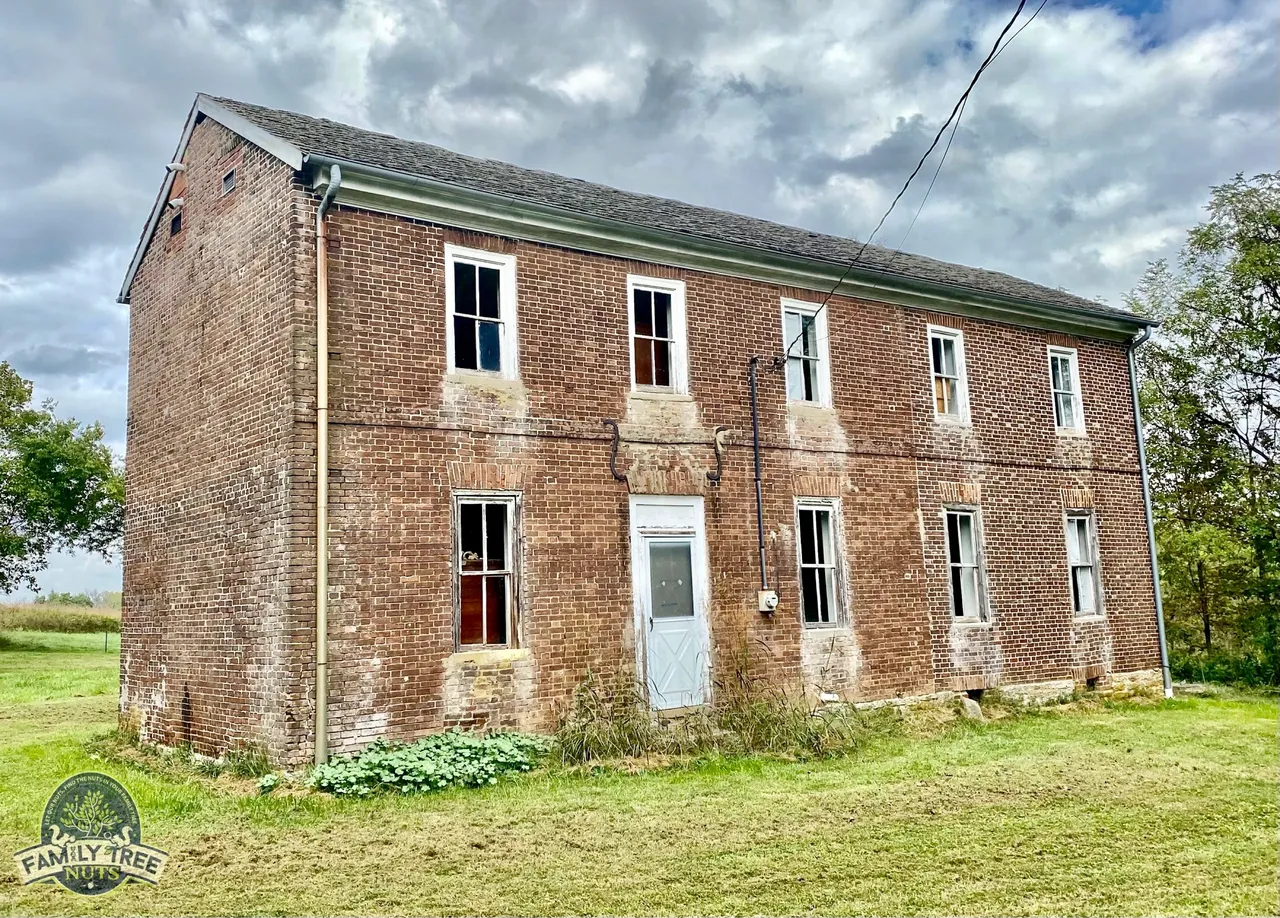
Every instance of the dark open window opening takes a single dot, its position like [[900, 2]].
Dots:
[[175, 225], [485, 573], [965, 572], [477, 317], [653, 337], [818, 597]]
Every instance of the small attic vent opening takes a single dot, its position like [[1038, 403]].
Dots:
[[175, 225], [229, 182]]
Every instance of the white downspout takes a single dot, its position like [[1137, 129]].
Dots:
[[1165, 675], [322, 469]]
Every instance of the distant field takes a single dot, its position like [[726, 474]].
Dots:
[[1097, 809], [61, 619]]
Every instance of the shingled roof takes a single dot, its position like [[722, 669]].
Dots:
[[324, 138]]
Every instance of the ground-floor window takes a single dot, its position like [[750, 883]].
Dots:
[[1082, 558], [486, 570], [964, 562], [816, 525]]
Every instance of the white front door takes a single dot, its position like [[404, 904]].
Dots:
[[669, 565]]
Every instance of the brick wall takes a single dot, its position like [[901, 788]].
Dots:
[[405, 435]]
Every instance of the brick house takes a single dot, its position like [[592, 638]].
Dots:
[[530, 400]]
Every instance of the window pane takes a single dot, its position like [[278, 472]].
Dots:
[[471, 611], [953, 537], [464, 343], [662, 315], [661, 363], [795, 379], [824, 594], [464, 288], [1062, 379], [791, 328], [957, 593], [808, 552], [490, 346], [1082, 589], [489, 292], [471, 536], [1073, 541], [810, 595], [495, 608], [965, 527], [671, 579], [809, 340], [969, 586], [496, 536], [644, 361], [810, 371], [944, 391], [823, 520], [1066, 409], [643, 305]]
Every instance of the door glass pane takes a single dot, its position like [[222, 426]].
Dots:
[[495, 608], [489, 292], [464, 288], [671, 579], [490, 348]]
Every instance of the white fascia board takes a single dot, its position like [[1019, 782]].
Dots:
[[286, 152], [380, 190]]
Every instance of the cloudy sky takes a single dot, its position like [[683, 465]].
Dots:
[[1086, 151]]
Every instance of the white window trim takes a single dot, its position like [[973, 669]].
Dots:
[[1099, 607], [1077, 394], [831, 505], [962, 375], [824, 353], [679, 355], [510, 337], [980, 557], [513, 501], [229, 177]]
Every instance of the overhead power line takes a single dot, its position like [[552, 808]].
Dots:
[[956, 113]]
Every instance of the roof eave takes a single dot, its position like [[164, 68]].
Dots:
[[404, 194]]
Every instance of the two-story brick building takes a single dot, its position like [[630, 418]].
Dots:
[[529, 401]]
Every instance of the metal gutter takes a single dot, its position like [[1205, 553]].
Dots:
[[1165, 675]]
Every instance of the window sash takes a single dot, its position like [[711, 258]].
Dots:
[[1082, 563], [1062, 382], [964, 564], [653, 350], [484, 577], [804, 356], [481, 305], [946, 365], [819, 599]]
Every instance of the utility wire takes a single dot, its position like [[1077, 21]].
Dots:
[[955, 116]]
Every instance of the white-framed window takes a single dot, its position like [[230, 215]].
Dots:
[[818, 554], [1064, 382], [1082, 559], [947, 372], [656, 324], [965, 573], [804, 334], [229, 182], [480, 298], [487, 546]]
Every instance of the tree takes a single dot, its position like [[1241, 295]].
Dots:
[[60, 487], [1211, 404]]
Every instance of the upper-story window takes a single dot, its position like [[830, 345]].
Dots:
[[480, 292], [804, 332], [950, 388], [229, 182], [659, 360], [1064, 380]]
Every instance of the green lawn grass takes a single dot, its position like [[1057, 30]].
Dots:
[[1125, 809]]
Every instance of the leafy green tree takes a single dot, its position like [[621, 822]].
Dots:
[[1211, 402], [60, 487]]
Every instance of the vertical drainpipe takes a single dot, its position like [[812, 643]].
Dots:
[[322, 469], [1165, 675], [752, 368]]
